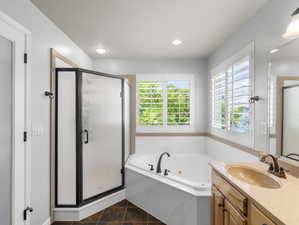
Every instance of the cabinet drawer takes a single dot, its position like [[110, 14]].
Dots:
[[258, 218], [239, 201]]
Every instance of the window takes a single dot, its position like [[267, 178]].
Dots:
[[231, 91], [164, 103]]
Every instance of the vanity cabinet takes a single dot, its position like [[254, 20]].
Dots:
[[258, 218], [231, 215], [231, 207], [217, 205]]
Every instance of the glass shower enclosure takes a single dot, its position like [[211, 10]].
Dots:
[[89, 142]]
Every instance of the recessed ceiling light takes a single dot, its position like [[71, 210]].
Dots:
[[177, 42], [101, 51], [274, 50]]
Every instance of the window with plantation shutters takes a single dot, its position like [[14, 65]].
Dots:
[[231, 91], [239, 92], [164, 103], [178, 102], [219, 101], [151, 100]]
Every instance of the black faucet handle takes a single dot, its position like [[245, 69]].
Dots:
[[151, 167], [166, 172], [271, 167]]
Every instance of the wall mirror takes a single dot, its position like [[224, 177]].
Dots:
[[283, 108]]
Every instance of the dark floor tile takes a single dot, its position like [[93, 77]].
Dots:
[[113, 215], [155, 223], [135, 215], [85, 223], [91, 220], [134, 223], [109, 223], [123, 203], [131, 205], [152, 219], [62, 223], [122, 213]]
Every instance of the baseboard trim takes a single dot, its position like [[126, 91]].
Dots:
[[77, 214], [47, 222]]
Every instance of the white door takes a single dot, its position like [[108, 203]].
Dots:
[[12, 125]]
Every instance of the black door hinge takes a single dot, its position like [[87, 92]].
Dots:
[[30, 209], [122, 171], [25, 58], [25, 136]]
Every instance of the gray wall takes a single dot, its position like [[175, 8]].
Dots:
[[266, 29], [45, 35], [159, 66]]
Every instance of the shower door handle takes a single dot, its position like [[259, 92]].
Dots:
[[86, 136]]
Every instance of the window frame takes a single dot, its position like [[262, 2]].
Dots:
[[165, 127], [246, 139]]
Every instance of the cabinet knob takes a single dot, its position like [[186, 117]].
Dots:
[[220, 205]]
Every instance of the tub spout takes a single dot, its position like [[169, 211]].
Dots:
[[159, 170]]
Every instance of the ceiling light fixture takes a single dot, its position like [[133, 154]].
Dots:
[[101, 51], [274, 50], [177, 42], [293, 28]]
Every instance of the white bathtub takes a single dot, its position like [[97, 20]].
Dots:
[[181, 198]]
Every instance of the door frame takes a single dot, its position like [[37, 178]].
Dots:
[[54, 54], [27, 110]]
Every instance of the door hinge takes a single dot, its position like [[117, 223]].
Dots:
[[25, 58], [30, 209], [121, 94], [25, 136], [122, 171]]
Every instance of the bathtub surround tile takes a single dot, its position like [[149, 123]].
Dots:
[[121, 213]]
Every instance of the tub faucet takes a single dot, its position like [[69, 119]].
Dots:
[[159, 162], [274, 167]]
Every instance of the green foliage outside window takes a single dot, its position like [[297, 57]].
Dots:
[[170, 99]]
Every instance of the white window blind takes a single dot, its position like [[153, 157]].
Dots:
[[164, 103], [231, 91], [151, 101]]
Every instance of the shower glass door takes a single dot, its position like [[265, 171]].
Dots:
[[102, 134]]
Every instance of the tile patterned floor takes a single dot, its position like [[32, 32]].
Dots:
[[122, 213]]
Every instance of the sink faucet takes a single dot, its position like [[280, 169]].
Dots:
[[159, 162], [274, 167]]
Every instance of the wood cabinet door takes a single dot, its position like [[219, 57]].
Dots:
[[258, 218], [217, 207], [231, 215]]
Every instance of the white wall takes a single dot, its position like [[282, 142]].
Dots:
[[225, 153], [196, 144], [182, 144], [160, 66], [45, 35], [266, 29]]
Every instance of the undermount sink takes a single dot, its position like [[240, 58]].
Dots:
[[253, 176]]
